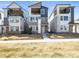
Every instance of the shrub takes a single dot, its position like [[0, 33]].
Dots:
[[28, 31]]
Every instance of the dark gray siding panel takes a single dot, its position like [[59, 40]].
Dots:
[[72, 14], [46, 12], [6, 22]]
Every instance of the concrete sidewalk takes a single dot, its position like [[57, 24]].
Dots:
[[47, 40]]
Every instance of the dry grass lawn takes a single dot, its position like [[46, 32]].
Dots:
[[21, 37], [46, 50], [63, 36]]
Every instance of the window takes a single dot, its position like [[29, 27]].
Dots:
[[14, 28], [66, 18], [37, 18], [32, 19], [65, 28], [14, 20], [61, 18], [0, 15], [61, 27], [36, 28], [42, 11]]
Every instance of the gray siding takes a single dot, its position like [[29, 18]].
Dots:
[[46, 11], [72, 14]]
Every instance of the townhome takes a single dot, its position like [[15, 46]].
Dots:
[[13, 18], [74, 26], [2, 30], [63, 15], [38, 18]]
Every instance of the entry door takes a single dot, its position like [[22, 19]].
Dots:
[[43, 29]]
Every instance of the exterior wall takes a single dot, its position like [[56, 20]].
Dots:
[[1, 22], [10, 21], [0, 29], [75, 28], [5, 13], [2, 18], [57, 23], [63, 23], [42, 19], [19, 24], [34, 23]]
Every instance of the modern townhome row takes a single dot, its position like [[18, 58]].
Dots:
[[15, 20], [62, 19]]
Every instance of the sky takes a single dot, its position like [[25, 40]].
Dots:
[[49, 4]]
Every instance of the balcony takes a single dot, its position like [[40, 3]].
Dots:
[[15, 12], [64, 10]]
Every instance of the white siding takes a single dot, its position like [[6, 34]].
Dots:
[[20, 24]]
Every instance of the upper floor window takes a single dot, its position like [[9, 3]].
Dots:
[[42, 11], [37, 19], [32, 19], [14, 20], [61, 18], [66, 18]]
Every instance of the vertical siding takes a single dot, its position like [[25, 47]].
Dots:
[[72, 14]]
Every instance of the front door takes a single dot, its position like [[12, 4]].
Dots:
[[43, 29]]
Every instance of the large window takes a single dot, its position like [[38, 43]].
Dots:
[[14, 20], [66, 18], [14, 28], [35, 10], [63, 27]]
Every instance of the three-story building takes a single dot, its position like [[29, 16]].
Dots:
[[38, 18], [63, 15], [14, 18]]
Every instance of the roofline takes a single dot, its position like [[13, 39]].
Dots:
[[35, 3], [12, 3], [45, 7], [55, 7], [60, 4], [16, 3]]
